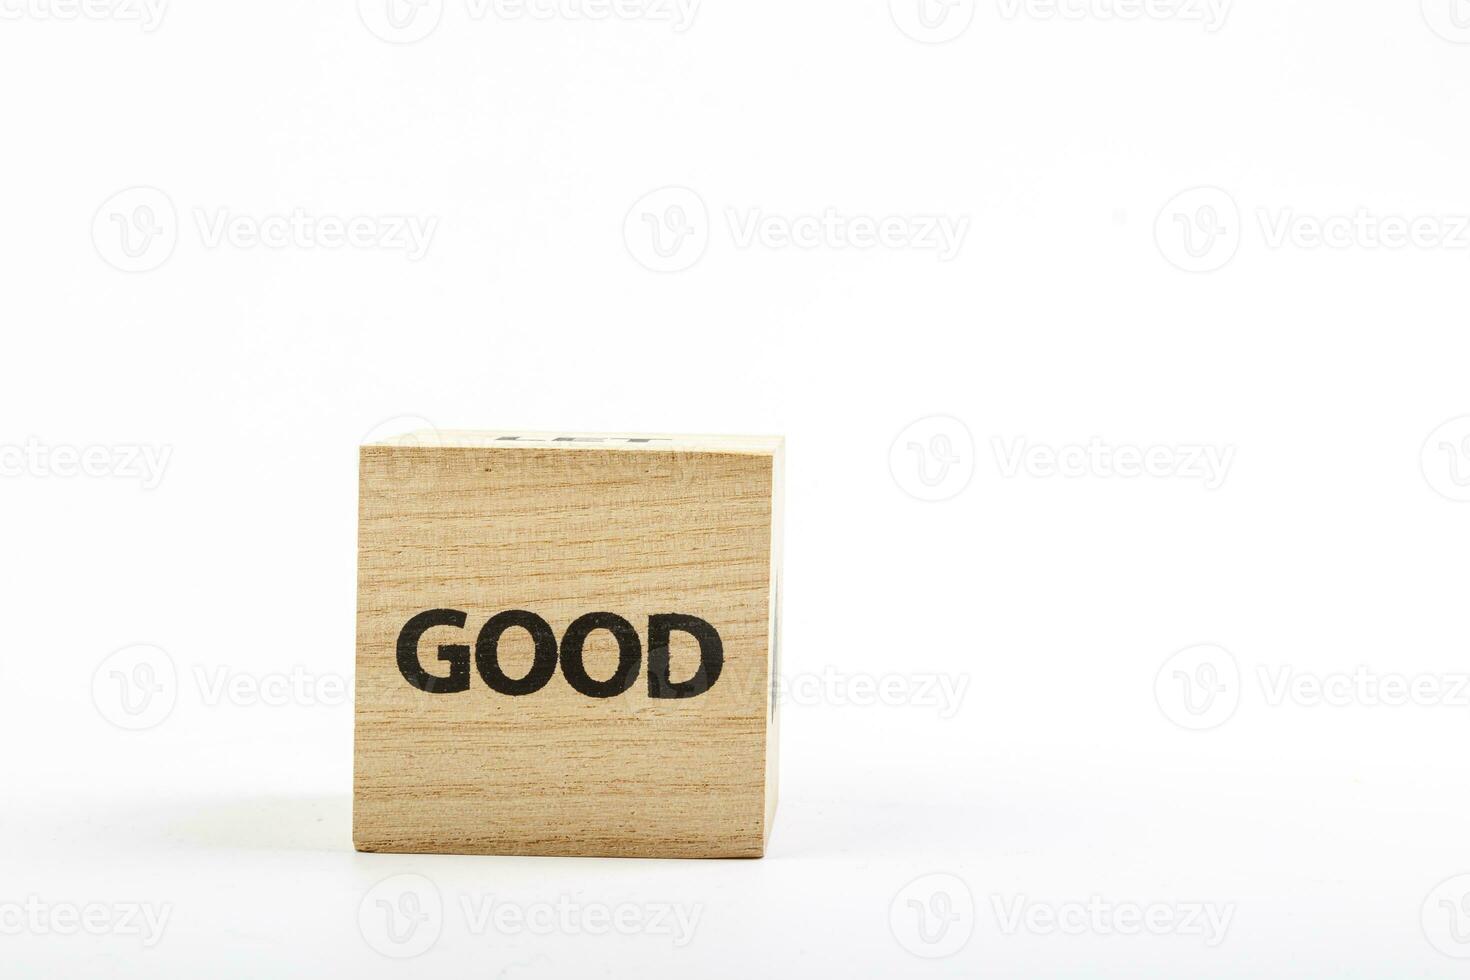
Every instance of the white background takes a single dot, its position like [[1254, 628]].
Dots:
[[1088, 304]]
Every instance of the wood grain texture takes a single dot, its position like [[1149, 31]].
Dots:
[[487, 522]]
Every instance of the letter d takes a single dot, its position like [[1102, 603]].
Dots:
[[711, 656]]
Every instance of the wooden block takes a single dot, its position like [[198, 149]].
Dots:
[[567, 644]]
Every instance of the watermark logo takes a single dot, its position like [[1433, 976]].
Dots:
[[400, 21], [1198, 688], [147, 14], [667, 230], [405, 430], [932, 21], [412, 431], [136, 230], [1445, 459], [404, 916], [136, 688], [933, 916], [1201, 687], [933, 458], [1198, 230], [1450, 19], [1445, 917], [401, 916]]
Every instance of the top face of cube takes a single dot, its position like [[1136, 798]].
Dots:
[[490, 439], [565, 644]]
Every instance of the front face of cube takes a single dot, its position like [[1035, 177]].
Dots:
[[563, 651]]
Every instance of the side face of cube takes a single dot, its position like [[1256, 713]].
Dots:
[[502, 594]]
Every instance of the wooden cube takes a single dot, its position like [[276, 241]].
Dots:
[[567, 644]]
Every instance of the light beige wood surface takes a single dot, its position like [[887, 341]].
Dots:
[[561, 526]]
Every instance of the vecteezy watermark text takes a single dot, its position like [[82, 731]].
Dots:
[[35, 916], [568, 916], [138, 229], [147, 14], [1201, 229], [669, 229], [1365, 229], [944, 693], [1098, 916], [138, 686], [938, 21], [1361, 687], [407, 21], [403, 916], [1206, 463], [1200, 687], [941, 234], [933, 459], [120, 461], [410, 234], [1209, 13], [934, 916]]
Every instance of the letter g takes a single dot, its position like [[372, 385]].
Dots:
[[457, 655]]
